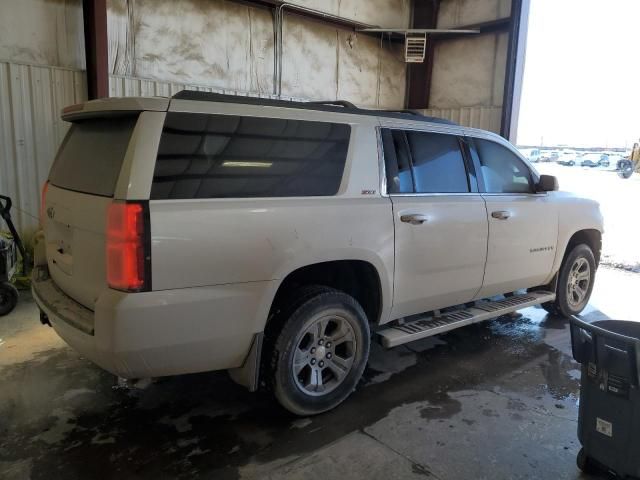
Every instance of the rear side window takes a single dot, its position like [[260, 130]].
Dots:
[[91, 155], [397, 161], [502, 170], [438, 165], [423, 162], [227, 156]]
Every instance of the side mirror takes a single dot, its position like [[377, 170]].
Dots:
[[547, 183]]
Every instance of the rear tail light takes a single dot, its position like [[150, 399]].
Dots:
[[127, 251], [43, 202]]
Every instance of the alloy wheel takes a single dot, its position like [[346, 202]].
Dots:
[[578, 282], [324, 355]]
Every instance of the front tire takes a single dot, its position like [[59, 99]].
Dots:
[[575, 282], [321, 351]]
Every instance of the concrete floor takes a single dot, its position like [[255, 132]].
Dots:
[[496, 400]]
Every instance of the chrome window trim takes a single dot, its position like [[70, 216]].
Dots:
[[381, 164], [452, 194], [513, 194], [383, 169], [462, 132]]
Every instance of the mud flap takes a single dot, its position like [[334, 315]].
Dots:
[[248, 375]]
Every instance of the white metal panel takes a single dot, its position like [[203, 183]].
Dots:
[[31, 98], [485, 118], [456, 13], [228, 46], [42, 32]]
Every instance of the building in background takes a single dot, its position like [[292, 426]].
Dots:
[[53, 54]]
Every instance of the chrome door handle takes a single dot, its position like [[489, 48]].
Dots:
[[414, 218], [501, 214]]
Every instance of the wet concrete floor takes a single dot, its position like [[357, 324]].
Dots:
[[495, 400]]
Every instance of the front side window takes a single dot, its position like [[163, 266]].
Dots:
[[438, 165], [502, 170], [229, 156]]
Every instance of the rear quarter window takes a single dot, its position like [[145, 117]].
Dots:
[[91, 155], [228, 156]]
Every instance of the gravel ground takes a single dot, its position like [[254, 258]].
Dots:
[[619, 200]]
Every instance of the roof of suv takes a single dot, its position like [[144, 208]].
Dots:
[[338, 106]]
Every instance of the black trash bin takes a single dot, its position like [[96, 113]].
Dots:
[[609, 414]]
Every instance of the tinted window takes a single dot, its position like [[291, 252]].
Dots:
[[91, 156], [216, 156], [502, 170], [438, 165], [397, 162]]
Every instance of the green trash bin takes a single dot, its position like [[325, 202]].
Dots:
[[609, 413]]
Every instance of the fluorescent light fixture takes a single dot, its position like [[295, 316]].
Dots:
[[250, 164]]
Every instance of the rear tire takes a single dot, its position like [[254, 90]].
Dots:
[[8, 298], [319, 354], [575, 282]]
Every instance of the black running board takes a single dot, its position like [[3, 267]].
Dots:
[[482, 310]]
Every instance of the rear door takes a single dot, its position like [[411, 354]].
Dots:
[[440, 221], [80, 188], [523, 224]]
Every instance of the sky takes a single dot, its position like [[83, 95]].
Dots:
[[581, 82]]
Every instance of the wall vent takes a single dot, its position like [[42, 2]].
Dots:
[[415, 47]]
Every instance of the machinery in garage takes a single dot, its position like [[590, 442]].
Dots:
[[9, 248], [627, 166]]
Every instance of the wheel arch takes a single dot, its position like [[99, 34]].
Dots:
[[358, 278], [591, 237]]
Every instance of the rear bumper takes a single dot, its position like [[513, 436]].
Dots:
[[160, 333]]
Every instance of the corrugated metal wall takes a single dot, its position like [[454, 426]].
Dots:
[[31, 98], [486, 118]]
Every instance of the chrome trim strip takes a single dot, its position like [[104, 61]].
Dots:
[[453, 194], [538, 194], [461, 132], [381, 163]]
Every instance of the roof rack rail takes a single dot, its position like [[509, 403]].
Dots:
[[337, 106], [340, 103], [408, 111]]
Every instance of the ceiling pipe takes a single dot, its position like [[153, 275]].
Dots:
[[278, 23]]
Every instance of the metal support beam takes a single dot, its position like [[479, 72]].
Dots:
[[96, 47], [493, 26], [510, 72], [424, 15]]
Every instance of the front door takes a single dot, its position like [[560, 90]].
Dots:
[[523, 224], [440, 222]]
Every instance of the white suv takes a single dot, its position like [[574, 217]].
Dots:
[[277, 239]]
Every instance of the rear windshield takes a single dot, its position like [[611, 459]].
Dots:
[[223, 156], [91, 156]]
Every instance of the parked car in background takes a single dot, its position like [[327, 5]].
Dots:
[[531, 154], [549, 156], [567, 158], [595, 160], [278, 239]]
